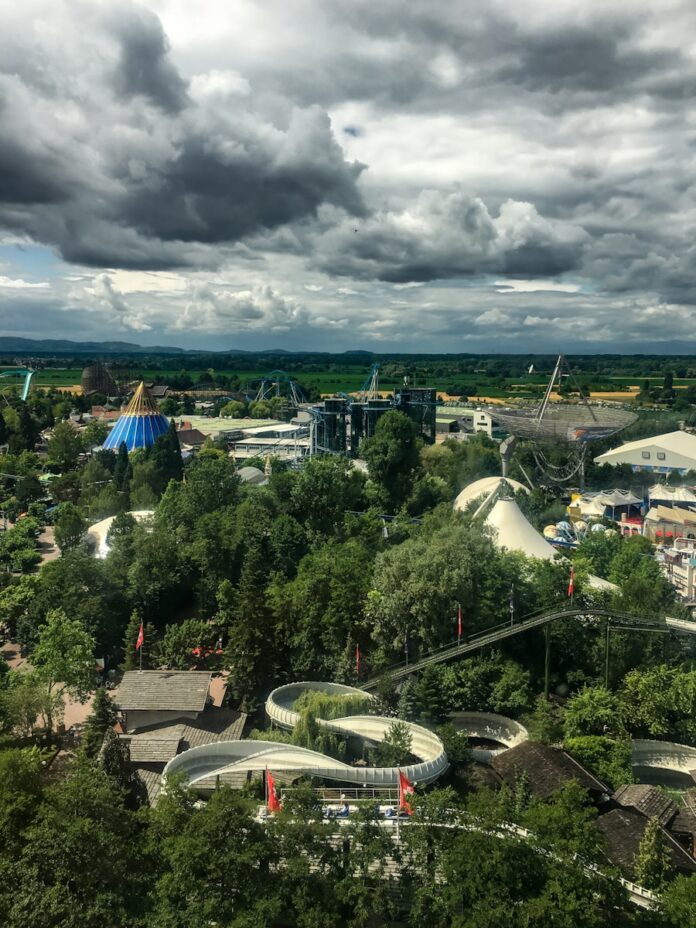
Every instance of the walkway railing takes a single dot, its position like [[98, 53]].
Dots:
[[505, 630]]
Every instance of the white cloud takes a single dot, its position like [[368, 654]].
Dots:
[[18, 283]]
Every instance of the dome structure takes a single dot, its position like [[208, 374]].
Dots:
[[140, 425], [253, 475], [483, 487], [96, 378]]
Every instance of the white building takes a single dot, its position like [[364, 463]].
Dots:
[[660, 454]]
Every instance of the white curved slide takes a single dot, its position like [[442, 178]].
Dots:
[[225, 758], [664, 755]]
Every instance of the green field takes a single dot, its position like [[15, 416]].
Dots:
[[349, 378]]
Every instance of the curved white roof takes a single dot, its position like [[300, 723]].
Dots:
[[100, 530], [250, 474], [515, 533], [483, 487]]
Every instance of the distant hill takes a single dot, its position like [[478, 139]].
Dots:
[[11, 345]]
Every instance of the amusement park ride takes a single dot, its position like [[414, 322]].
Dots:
[[23, 373], [569, 426]]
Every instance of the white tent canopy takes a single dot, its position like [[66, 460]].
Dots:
[[515, 533], [662, 493], [619, 498], [483, 487]]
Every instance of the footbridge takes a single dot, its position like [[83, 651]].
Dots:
[[490, 636], [227, 760]]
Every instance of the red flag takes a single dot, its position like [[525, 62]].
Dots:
[[273, 801], [571, 582], [357, 660], [141, 638], [405, 789], [459, 620]]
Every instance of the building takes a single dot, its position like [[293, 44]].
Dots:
[[673, 452], [140, 425], [651, 802], [623, 829], [166, 712], [153, 697], [546, 770]]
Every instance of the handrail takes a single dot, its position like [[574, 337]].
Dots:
[[504, 630]]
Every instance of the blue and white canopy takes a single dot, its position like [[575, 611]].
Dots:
[[140, 425]]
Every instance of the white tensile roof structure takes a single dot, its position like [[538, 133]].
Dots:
[[662, 493], [515, 533], [483, 487]]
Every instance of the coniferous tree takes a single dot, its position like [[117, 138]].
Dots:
[[652, 864], [102, 718], [131, 659], [122, 471]]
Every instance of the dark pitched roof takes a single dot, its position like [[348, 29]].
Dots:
[[159, 390], [157, 744], [623, 830], [649, 800], [163, 690], [547, 769], [152, 780], [191, 437]]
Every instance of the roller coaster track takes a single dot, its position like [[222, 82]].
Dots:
[[490, 636], [223, 761]]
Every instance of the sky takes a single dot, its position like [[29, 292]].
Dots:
[[440, 176]]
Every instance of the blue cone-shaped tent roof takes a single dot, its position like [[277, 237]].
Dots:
[[140, 425]]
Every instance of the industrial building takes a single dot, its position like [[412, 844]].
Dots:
[[673, 452], [341, 423]]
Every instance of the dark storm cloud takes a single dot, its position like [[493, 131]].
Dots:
[[118, 162], [144, 66], [448, 236]]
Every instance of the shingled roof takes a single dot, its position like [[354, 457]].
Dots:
[[649, 800], [623, 830], [163, 690], [547, 768]]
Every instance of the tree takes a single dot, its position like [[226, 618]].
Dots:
[[64, 658], [544, 724], [233, 410], [81, 857], [608, 758], [64, 446], [393, 458], [679, 901], [166, 456], [592, 711], [652, 865], [20, 791], [101, 718], [324, 490], [23, 700], [115, 761], [432, 703], [131, 657], [176, 648], [70, 527], [456, 745], [122, 468], [394, 750], [511, 693], [94, 434]]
